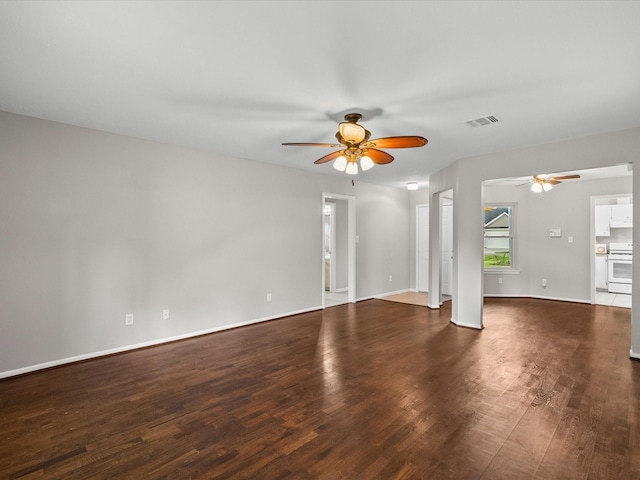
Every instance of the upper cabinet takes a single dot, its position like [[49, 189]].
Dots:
[[621, 215], [603, 218], [613, 216]]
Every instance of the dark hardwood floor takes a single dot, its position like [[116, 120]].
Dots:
[[375, 390]]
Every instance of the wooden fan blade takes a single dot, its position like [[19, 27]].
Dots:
[[397, 142], [332, 145], [565, 177], [378, 156], [553, 181], [328, 158]]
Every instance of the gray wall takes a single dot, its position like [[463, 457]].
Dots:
[[96, 225], [566, 266]]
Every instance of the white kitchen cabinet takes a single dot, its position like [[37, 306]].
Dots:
[[621, 215], [601, 272], [602, 220]]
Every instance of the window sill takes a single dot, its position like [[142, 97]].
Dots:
[[499, 271]]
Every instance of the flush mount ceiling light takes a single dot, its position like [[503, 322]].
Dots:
[[357, 148], [545, 182], [412, 186]]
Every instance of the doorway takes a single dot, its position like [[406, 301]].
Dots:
[[338, 250], [447, 245], [612, 231], [422, 248]]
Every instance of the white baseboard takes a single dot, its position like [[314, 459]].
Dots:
[[505, 295], [395, 292], [560, 299], [463, 324], [126, 348], [633, 355], [538, 297]]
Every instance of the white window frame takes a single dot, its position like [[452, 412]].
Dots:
[[513, 215]]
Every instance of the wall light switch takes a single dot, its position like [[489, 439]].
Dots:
[[128, 319], [570, 239], [555, 233]]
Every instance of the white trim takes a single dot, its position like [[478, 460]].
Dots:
[[380, 296], [102, 353], [497, 271], [505, 295], [537, 297], [351, 243], [395, 292], [592, 234], [513, 237], [573, 300], [426, 240], [463, 324], [633, 355]]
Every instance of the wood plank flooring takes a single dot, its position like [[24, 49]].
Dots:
[[375, 390]]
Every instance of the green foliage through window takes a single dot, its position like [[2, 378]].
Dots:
[[498, 236]]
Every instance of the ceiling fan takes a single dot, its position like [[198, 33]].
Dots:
[[355, 146], [546, 182]]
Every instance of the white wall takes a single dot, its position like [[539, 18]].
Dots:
[[95, 225]]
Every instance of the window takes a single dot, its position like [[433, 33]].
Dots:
[[499, 221]]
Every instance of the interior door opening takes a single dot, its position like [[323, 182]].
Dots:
[[612, 233], [338, 250], [422, 247], [446, 245]]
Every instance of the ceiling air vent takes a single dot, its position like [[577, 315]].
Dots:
[[479, 122]]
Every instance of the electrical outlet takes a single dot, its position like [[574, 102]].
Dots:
[[544, 282], [268, 297], [165, 314], [128, 319], [390, 278], [499, 279]]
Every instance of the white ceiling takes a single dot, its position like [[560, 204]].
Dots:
[[241, 77], [616, 171]]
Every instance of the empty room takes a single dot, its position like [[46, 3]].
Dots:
[[319, 240]]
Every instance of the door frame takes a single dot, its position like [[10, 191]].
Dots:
[[351, 243], [332, 247], [422, 276], [592, 233]]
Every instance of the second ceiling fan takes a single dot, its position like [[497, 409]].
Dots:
[[546, 182], [355, 146]]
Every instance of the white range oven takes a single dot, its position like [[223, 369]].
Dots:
[[620, 261]]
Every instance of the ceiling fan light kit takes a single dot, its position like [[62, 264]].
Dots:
[[357, 148], [545, 182]]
